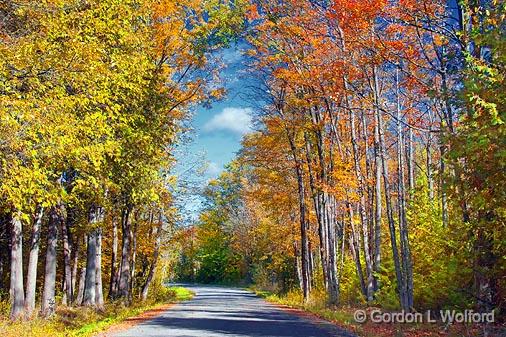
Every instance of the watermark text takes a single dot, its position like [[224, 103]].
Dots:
[[443, 316]]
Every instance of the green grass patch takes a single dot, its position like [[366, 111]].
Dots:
[[84, 322], [182, 294]]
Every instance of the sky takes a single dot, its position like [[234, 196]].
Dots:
[[217, 131]]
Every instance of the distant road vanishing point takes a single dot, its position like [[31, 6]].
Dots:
[[229, 312]]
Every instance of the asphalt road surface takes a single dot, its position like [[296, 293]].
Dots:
[[230, 312]]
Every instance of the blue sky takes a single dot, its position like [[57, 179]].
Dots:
[[217, 131]]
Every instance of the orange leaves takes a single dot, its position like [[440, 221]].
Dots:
[[252, 12], [357, 14]]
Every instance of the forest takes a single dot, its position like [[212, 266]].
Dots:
[[376, 172], [374, 176], [92, 99]]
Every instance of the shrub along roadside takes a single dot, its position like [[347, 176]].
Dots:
[[84, 322]]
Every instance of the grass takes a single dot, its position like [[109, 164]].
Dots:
[[343, 317], [84, 322], [182, 294]]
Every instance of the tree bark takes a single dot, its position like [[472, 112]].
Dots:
[[430, 179], [411, 162], [152, 268], [391, 223], [362, 211], [377, 196], [80, 289], [124, 276], [401, 195], [306, 276], [31, 276], [75, 266], [324, 203], [355, 251], [99, 300], [48, 294], [114, 253], [89, 298], [17, 293], [303, 222], [68, 289], [133, 239]]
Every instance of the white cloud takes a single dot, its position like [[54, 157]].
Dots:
[[213, 169], [236, 120]]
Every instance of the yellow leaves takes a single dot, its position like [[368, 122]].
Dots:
[[218, 93]]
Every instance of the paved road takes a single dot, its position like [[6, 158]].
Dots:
[[230, 312]]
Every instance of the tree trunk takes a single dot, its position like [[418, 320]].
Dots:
[[75, 266], [114, 253], [355, 250], [325, 211], [48, 294], [362, 211], [332, 250], [89, 298], [378, 200], [298, 265], [152, 268], [306, 276], [124, 276], [31, 277], [17, 293], [68, 289], [430, 179], [411, 162], [442, 189], [391, 223], [133, 239], [401, 195], [99, 300], [80, 289]]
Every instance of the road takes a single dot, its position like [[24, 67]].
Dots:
[[230, 312]]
